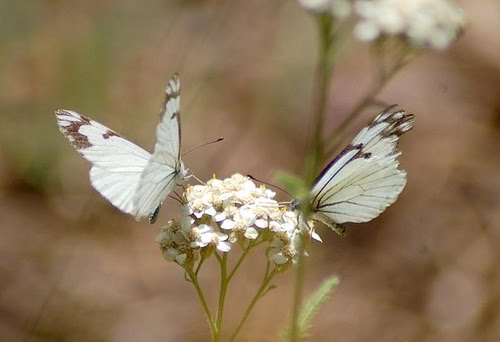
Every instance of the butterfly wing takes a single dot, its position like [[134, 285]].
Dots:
[[117, 164], [364, 179], [164, 169]]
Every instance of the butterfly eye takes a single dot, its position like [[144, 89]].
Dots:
[[295, 204]]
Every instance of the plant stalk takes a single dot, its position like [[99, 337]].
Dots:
[[206, 310], [222, 295], [260, 292], [316, 152]]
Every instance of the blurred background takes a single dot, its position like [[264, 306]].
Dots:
[[74, 268]]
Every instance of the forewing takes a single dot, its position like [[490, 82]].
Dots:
[[168, 132], [164, 169], [364, 179], [117, 164]]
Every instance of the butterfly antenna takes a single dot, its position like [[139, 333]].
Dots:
[[203, 145], [271, 185], [199, 180]]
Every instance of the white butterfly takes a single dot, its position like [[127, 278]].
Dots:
[[132, 179], [364, 179]]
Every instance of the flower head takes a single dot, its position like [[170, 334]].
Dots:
[[234, 210], [425, 23], [174, 241]]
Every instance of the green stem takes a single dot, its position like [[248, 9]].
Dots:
[[316, 152], [297, 296], [240, 260], [199, 265], [260, 292], [222, 295], [323, 76], [206, 310]]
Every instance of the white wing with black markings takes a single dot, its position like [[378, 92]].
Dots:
[[165, 168], [132, 179], [364, 179]]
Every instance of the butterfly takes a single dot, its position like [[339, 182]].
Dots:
[[132, 179], [364, 179]]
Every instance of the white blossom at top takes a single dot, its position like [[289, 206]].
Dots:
[[337, 8], [425, 23]]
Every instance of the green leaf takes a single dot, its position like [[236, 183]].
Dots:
[[313, 305]]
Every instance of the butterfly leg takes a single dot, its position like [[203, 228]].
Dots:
[[340, 229]]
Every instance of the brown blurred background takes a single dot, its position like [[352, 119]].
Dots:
[[73, 268]]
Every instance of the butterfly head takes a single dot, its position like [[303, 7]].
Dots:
[[295, 204], [301, 204]]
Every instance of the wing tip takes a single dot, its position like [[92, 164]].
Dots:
[[69, 123], [173, 85], [62, 113]]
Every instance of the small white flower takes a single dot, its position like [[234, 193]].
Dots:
[[276, 256], [218, 240], [210, 211], [228, 224], [282, 251], [200, 235], [220, 216], [223, 246], [261, 223], [251, 233], [170, 254], [162, 238], [242, 220], [204, 235]]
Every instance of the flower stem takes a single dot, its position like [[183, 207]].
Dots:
[[260, 292], [323, 76], [316, 152], [297, 295], [194, 279], [240, 260], [222, 295], [198, 268]]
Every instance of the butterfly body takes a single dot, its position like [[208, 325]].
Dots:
[[132, 179]]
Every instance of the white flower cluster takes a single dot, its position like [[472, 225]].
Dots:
[[234, 210], [424, 23]]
